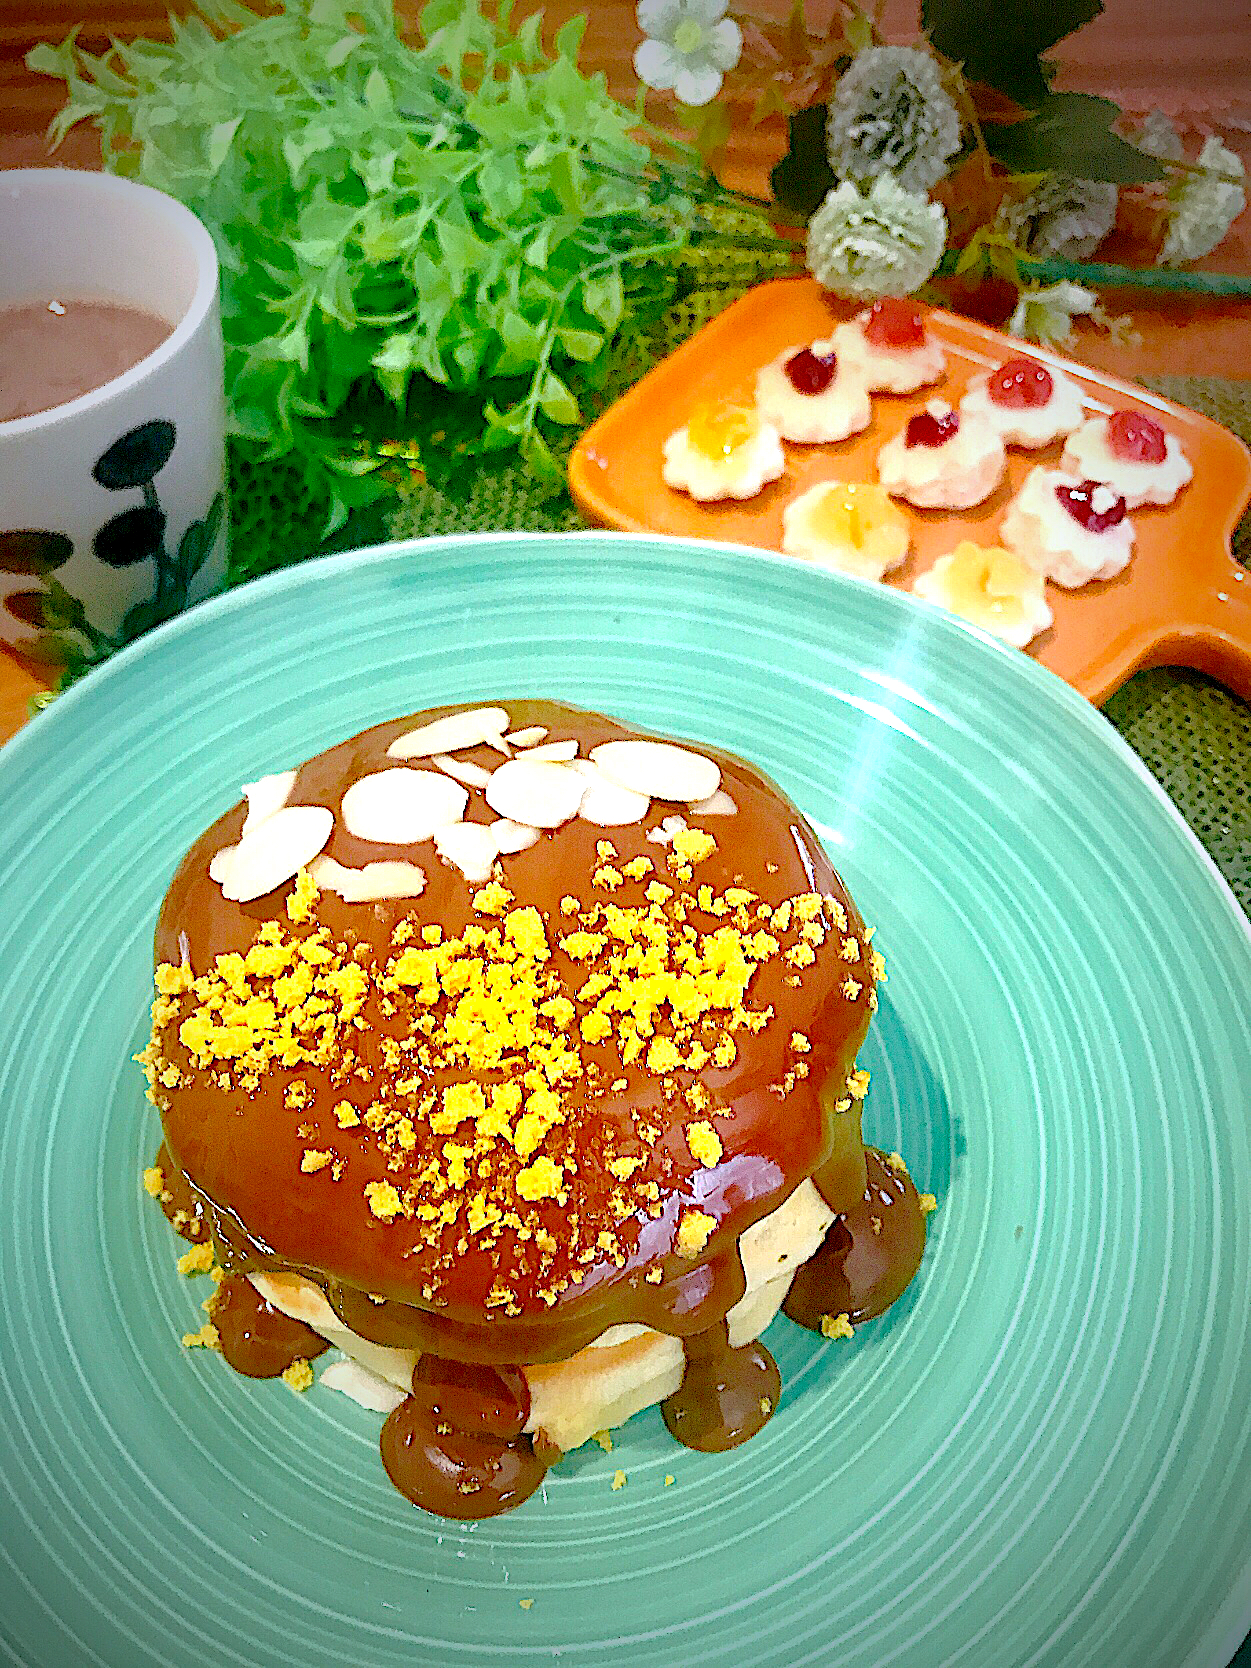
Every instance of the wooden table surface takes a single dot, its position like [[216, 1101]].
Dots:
[[1199, 73]]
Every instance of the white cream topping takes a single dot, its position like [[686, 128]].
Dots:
[[888, 370], [1043, 533], [1029, 426], [808, 419], [1089, 456], [963, 471]]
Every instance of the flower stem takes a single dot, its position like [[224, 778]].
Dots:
[[1167, 279]]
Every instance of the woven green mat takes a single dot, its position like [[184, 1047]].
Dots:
[[1193, 735]]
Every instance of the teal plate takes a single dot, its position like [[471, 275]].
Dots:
[[1042, 1455]]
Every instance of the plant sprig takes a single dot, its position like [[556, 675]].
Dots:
[[437, 238]]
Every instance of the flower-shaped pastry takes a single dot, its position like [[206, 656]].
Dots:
[[848, 525], [891, 347], [1132, 454], [1068, 529], [724, 451], [990, 587], [1028, 404], [941, 460], [811, 394]]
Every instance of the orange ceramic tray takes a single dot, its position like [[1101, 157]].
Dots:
[[1183, 599]]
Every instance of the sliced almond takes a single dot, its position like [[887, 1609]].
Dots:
[[375, 881], [275, 851], [528, 736], [397, 807], [451, 734], [535, 791], [663, 836], [265, 796], [658, 768], [469, 846], [464, 770], [608, 806], [219, 863], [718, 804], [513, 836], [561, 751]]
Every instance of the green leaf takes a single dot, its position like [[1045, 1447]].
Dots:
[[342, 50], [220, 140], [804, 175], [1071, 133], [859, 30], [582, 345], [1000, 41], [603, 297], [556, 401]]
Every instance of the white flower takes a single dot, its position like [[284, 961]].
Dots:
[[1158, 137], [891, 114], [1063, 217], [1203, 206], [690, 45], [885, 243], [1046, 315]]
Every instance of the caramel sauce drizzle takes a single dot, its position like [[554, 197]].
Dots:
[[456, 1446]]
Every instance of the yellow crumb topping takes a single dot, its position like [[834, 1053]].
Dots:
[[302, 898], [604, 1438], [669, 1478], [693, 845], [525, 1604], [704, 1143], [205, 1338], [693, 1232], [618, 1479], [153, 1181], [927, 1202], [299, 1375], [486, 1078], [171, 980], [540, 1180], [196, 1261], [492, 899], [836, 1326], [383, 1199]]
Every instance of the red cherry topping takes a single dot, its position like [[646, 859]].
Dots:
[[894, 324], [926, 429], [1079, 502], [1136, 438], [1019, 384], [809, 372]]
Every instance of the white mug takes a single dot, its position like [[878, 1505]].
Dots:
[[112, 505]]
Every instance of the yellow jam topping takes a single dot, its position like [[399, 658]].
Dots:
[[858, 514], [717, 431], [987, 584]]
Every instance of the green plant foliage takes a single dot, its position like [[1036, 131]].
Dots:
[[802, 178], [443, 237], [1000, 42], [1071, 133]]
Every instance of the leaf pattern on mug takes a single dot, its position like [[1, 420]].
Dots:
[[133, 536], [137, 457], [126, 540], [32, 550]]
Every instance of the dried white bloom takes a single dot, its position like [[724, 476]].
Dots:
[[1046, 314], [1158, 137], [887, 242], [1203, 206], [1063, 218], [690, 45], [891, 114]]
